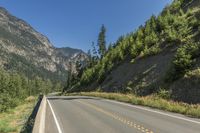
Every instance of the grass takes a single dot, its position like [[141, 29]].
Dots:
[[150, 101], [13, 120]]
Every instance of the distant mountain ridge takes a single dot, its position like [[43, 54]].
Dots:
[[27, 51], [68, 52]]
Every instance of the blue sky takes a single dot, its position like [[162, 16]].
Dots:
[[76, 23]]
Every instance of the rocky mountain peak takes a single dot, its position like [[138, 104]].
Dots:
[[26, 50]]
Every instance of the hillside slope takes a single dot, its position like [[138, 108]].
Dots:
[[161, 56], [24, 50]]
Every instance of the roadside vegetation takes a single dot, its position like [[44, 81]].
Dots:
[[14, 119], [17, 99], [159, 101], [15, 88], [176, 29]]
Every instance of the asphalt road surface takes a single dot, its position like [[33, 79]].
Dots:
[[78, 114]]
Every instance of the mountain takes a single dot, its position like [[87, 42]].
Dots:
[[162, 57], [68, 52], [24, 50]]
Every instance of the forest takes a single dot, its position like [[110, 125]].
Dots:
[[16, 87]]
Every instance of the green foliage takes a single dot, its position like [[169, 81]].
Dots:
[[165, 94], [150, 30], [184, 60], [102, 42], [14, 88], [88, 76], [151, 51], [19, 115], [137, 44]]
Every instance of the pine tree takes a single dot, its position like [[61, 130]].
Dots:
[[89, 62], [110, 46], [69, 78], [94, 51], [102, 42], [79, 69], [95, 56]]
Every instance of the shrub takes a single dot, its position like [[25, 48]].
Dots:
[[183, 60], [184, 57], [165, 94]]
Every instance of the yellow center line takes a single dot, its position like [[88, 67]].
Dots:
[[119, 118]]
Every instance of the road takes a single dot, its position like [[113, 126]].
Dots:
[[79, 114]]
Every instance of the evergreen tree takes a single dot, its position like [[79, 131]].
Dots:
[[102, 42], [89, 62], [110, 46], [79, 69], [69, 78], [95, 57], [94, 51]]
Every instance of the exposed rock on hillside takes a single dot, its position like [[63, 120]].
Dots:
[[24, 49]]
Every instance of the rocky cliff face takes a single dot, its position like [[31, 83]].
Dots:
[[24, 49]]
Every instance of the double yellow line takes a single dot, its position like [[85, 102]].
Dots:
[[119, 118]]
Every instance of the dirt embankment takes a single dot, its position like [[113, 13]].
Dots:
[[144, 74], [147, 75]]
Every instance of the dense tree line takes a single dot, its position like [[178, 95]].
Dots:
[[174, 26], [14, 88]]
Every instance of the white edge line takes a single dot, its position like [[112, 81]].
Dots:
[[142, 108], [54, 116]]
